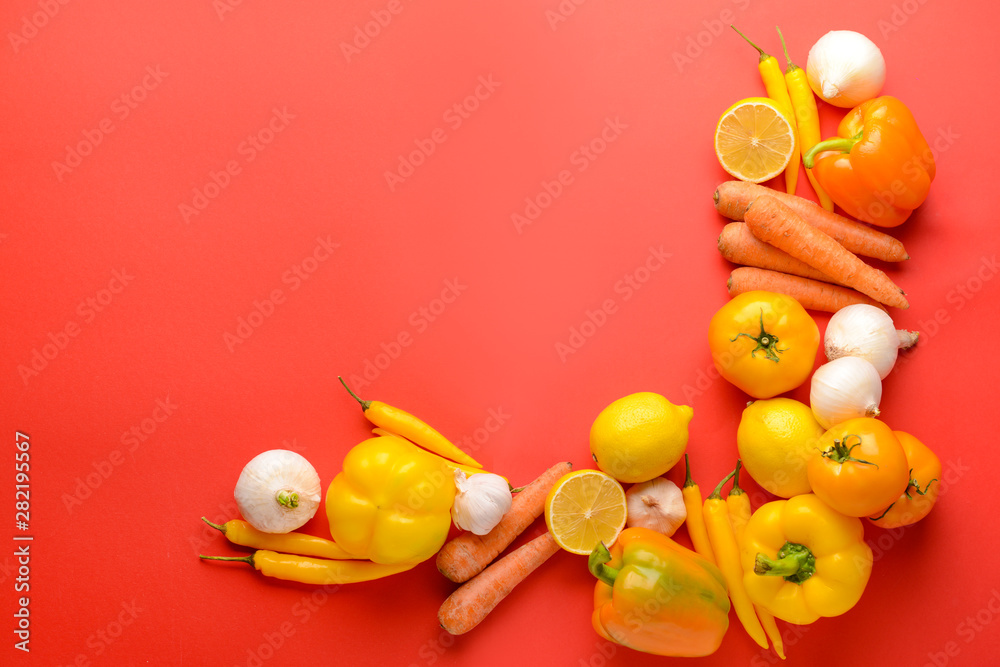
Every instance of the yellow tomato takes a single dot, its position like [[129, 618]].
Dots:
[[764, 343]]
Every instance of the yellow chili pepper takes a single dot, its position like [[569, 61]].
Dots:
[[774, 83], [242, 533], [316, 571], [695, 519], [720, 532], [806, 117], [415, 430], [738, 504]]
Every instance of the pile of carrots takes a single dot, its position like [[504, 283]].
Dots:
[[469, 559], [793, 246]]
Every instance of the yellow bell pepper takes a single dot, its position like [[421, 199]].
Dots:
[[803, 560], [392, 501]]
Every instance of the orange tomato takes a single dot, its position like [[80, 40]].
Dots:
[[861, 468], [920, 495], [763, 342]]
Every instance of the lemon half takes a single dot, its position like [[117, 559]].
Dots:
[[584, 508], [754, 140]]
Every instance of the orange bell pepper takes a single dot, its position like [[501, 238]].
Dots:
[[879, 168], [654, 595]]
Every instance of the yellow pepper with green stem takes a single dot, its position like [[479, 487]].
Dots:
[[392, 501], [803, 560]]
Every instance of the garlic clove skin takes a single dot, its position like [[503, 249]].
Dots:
[[862, 330], [481, 501], [657, 504], [843, 389], [845, 68], [278, 491]]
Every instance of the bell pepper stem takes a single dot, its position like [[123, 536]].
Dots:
[[218, 527], [840, 144], [794, 562], [597, 564], [364, 404]]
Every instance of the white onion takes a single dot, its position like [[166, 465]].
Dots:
[[843, 389], [278, 491], [845, 68], [862, 330]]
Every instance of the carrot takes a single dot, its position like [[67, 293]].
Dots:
[[472, 601], [738, 245], [774, 223], [467, 555], [733, 197], [812, 294]]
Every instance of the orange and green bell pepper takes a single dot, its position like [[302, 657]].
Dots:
[[803, 560], [391, 503], [655, 596], [879, 168]]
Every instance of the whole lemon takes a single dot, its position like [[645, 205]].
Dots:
[[776, 438], [639, 436]]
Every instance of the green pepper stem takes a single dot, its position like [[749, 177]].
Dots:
[[717, 493], [736, 490], [214, 525], [364, 404], [791, 66], [841, 144], [596, 563], [242, 559], [687, 473], [794, 562], [763, 56]]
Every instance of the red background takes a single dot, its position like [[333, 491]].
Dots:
[[115, 577]]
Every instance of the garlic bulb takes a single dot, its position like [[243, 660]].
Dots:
[[861, 330], [278, 491], [481, 500], [657, 504], [845, 68], [843, 389]]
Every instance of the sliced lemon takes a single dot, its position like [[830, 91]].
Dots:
[[753, 140], [585, 507]]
